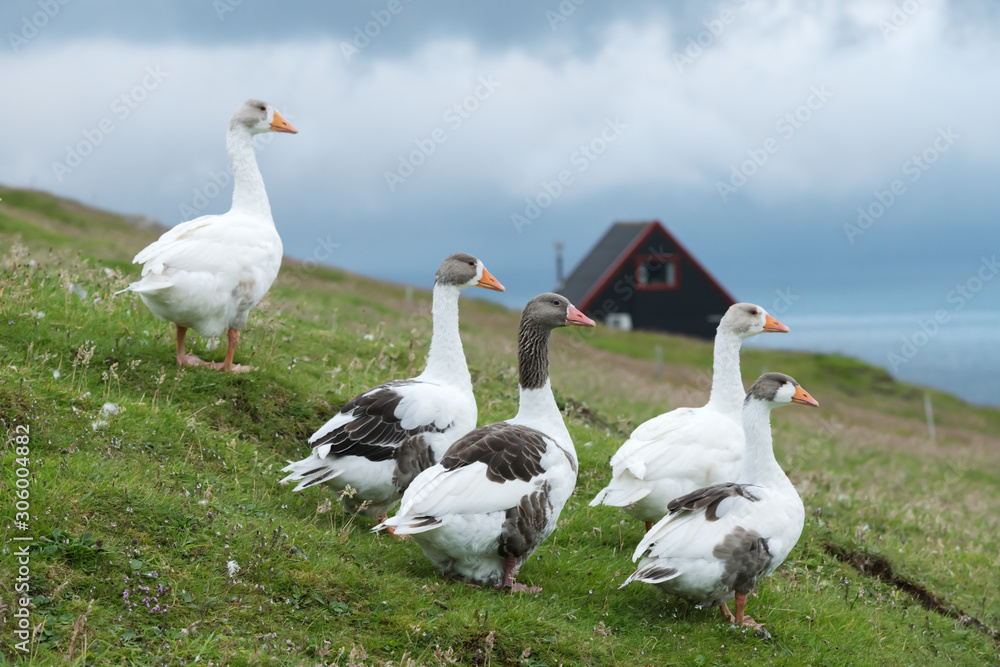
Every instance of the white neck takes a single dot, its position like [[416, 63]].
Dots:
[[759, 466], [537, 408], [248, 185], [446, 358], [727, 385]]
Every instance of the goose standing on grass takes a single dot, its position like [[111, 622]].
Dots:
[[381, 440], [497, 492], [716, 542], [688, 448], [206, 274]]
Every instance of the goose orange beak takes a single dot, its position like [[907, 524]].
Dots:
[[489, 282], [279, 124], [802, 396], [771, 324], [575, 317]]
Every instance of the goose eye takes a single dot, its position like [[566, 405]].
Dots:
[[472, 263], [755, 312], [262, 108]]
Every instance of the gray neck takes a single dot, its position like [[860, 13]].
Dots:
[[249, 195], [727, 385], [759, 465], [446, 357], [533, 355]]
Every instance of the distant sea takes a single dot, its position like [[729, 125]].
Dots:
[[960, 356]]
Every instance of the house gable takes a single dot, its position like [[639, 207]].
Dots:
[[654, 279]]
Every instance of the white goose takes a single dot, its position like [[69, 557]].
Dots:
[[716, 542], [206, 274], [497, 492], [381, 440], [688, 448]]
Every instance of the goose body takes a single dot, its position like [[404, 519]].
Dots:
[[497, 493], [206, 274], [381, 440], [716, 542], [688, 448]]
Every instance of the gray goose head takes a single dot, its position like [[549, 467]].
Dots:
[[540, 316], [463, 270], [259, 117], [779, 389], [748, 319], [553, 310]]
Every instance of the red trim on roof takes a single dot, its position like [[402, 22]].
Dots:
[[616, 267]]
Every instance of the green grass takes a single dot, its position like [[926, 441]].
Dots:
[[183, 478]]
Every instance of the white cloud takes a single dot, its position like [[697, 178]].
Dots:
[[686, 128]]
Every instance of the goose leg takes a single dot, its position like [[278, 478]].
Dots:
[[728, 615], [509, 570], [390, 529], [188, 359], [740, 619], [228, 365]]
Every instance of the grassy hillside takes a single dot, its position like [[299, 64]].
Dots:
[[162, 536]]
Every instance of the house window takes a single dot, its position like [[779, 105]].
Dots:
[[656, 272]]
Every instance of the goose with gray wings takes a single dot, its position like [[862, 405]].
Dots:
[[381, 440], [715, 543], [687, 448], [497, 493], [208, 273]]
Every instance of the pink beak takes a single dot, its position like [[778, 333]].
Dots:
[[575, 317]]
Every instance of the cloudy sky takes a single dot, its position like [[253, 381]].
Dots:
[[758, 131]]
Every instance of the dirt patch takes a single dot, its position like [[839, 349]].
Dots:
[[881, 568]]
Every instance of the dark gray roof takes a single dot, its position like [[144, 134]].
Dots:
[[600, 259]]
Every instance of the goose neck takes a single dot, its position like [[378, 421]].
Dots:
[[446, 357], [759, 465], [533, 355], [727, 385], [249, 195]]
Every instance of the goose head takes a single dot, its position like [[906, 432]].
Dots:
[[259, 117], [463, 270], [747, 319], [554, 310], [777, 389]]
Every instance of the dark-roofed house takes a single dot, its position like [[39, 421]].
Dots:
[[639, 276]]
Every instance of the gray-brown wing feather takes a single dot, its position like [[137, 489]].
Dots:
[[709, 497], [524, 526], [509, 451], [413, 456], [746, 557], [375, 432]]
